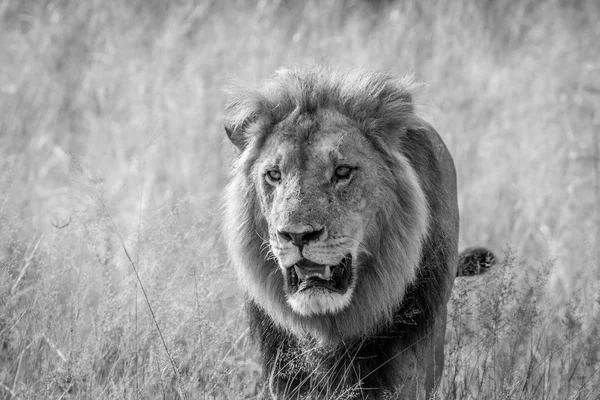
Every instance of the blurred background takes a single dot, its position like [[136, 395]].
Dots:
[[113, 158]]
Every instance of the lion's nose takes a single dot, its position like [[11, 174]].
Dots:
[[301, 239]]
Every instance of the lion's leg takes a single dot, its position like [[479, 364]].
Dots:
[[283, 374], [435, 357]]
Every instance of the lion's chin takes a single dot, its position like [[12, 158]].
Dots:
[[314, 289]]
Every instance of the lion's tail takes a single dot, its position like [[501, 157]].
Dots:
[[475, 261]]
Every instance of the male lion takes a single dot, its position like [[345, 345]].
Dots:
[[342, 223]]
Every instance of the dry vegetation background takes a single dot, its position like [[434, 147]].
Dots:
[[111, 139]]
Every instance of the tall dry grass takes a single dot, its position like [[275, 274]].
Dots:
[[110, 139]]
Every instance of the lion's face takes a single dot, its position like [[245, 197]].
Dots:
[[317, 179]]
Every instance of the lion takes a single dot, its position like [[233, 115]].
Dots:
[[341, 221]]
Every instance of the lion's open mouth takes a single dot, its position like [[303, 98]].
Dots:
[[306, 275]]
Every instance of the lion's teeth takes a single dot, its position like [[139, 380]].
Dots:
[[300, 273], [321, 273]]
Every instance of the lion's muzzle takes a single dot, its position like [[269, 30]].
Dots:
[[318, 278]]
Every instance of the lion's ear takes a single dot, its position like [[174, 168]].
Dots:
[[240, 133], [244, 106], [236, 135]]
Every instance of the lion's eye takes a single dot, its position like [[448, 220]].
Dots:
[[273, 176], [343, 172]]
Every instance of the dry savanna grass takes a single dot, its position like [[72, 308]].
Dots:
[[112, 158]]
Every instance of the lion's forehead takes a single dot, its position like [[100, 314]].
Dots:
[[298, 150]]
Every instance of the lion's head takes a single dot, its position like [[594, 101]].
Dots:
[[325, 217]]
